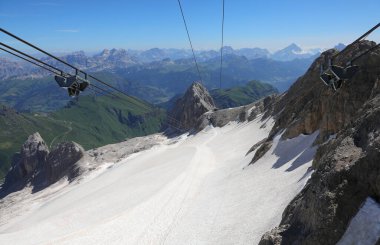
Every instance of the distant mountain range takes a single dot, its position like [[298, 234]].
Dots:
[[34, 89], [154, 75], [232, 97], [111, 59]]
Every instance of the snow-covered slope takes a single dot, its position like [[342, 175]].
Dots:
[[195, 189], [364, 229]]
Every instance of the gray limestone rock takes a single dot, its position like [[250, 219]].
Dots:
[[32, 157], [347, 167], [38, 167], [191, 107], [61, 161]]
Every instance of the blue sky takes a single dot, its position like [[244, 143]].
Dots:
[[70, 25]]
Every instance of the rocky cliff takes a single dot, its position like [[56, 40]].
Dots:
[[346, 166], [35, 165], [309, 105], [196, 110], [188, 109], [347, 171], [220, 118]]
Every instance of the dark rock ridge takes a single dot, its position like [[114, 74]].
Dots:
[[39, 167], [309, 105], [196, 110], [346, 169], [220, 118], [32, 156], [188, 109], [61, 161]]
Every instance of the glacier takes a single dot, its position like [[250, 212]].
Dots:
[[192, 189]]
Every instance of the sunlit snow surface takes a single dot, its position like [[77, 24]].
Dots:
[[197, 190], [364, 228]]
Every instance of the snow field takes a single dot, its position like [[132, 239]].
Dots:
[[196, 191]]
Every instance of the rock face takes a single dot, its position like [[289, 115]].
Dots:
[[36, 166], [32, 156], [61, 161], [309, 105], [346, 169], [248, 112], [191, 107]]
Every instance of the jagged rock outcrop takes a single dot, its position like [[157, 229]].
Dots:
[[61, 161], [35, 165], [220, 118], [347, 169], [309, 105], [32, 156], [191, 107]]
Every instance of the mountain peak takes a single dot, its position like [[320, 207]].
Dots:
[[293, 47], [340, 46], [105, 52], [192, 106], [291, 52]]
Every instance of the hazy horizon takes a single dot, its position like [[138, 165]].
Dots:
[[97, 51], [67, 26]]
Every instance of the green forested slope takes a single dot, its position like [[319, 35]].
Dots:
[[241, 95], [90, 121]]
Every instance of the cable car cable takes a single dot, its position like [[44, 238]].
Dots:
[[39, 49], [357, 40], [77, 70], [30, 57], [32, 62], [60, 73], [364, 53], [104, 91], [58, 59], [221, 49], [98, 92], [188, 35]]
